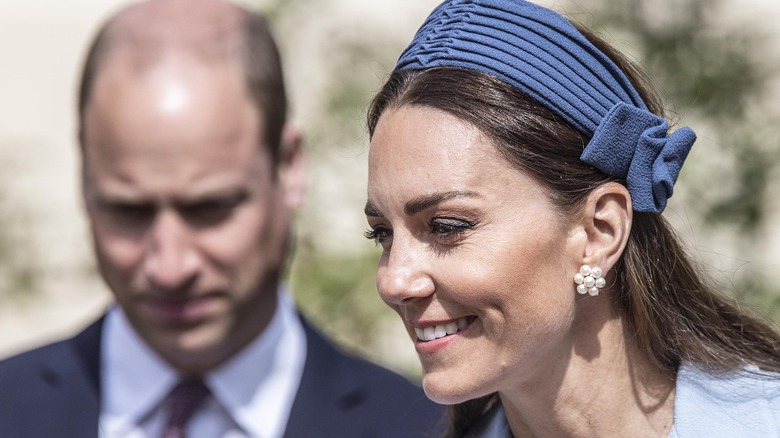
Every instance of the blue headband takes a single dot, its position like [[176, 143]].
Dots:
[[545, 56]]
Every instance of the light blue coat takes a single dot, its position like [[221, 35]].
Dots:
[[735, 405]]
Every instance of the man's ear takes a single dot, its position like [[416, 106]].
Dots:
[[606, 219], [291, 166]]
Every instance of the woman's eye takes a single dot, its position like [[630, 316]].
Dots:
[[449, 227], [378, 234]]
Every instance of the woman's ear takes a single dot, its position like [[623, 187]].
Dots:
[[606, 219], [291, 166]]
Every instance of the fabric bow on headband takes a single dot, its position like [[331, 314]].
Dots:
[[545, 56]]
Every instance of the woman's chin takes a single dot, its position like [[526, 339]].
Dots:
[[446, 391]]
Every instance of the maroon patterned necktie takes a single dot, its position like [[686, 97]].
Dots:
[[183, 401]]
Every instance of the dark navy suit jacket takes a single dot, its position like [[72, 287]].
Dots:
[[54, 392]]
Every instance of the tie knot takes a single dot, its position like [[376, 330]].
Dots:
[[183, 400]]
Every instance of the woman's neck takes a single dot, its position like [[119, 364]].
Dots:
[[605, 387]]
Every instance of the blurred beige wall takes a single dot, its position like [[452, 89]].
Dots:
[[41, 46]]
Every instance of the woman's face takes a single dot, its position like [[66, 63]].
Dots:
[[475, 259]]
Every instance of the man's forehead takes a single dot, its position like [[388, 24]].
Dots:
[[208, 28], [209, 17]]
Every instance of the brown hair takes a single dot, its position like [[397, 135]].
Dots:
[[259, 59], [674, 315]]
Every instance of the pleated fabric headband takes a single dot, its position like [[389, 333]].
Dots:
[[545, 56]]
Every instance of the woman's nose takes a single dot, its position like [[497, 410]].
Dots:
[[402, 276]]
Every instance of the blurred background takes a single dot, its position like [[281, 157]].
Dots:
[[717, 62]]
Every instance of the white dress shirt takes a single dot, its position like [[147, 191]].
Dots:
[[252, 393]]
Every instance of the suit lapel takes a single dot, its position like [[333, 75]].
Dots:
[[71, 388], [325, 392], [87, 348]]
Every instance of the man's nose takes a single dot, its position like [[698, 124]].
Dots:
[[171, 260], [403, 275]]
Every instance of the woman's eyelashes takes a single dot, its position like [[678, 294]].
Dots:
[[449, 229], [379, 234], [440, 231]]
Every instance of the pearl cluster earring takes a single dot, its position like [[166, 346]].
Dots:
[[589, 280]]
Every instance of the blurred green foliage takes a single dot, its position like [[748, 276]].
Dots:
[[336, 289], [335, 292]]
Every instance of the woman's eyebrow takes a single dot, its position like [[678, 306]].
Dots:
[[419, 204], [370, 210]]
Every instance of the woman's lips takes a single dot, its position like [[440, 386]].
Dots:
[[437, 331]]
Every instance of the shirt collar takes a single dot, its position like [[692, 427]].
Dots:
[[264, 377], [134, 378]]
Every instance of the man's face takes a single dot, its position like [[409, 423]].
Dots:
[[190, 217]]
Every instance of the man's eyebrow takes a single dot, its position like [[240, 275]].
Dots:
[[237, 194], [108, 197], [419, 204]]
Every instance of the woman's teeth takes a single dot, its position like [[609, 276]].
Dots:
[[439, 331]]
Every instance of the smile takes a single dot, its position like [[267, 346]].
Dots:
[[439, 331]]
